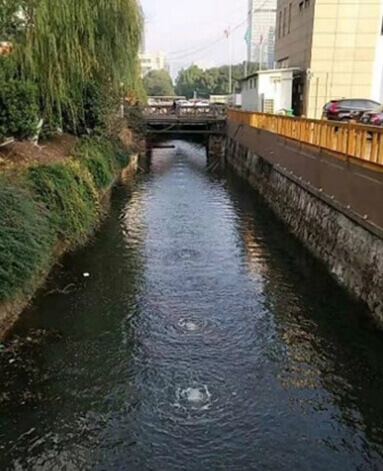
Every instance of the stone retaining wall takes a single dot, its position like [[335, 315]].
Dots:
[[350, 245]]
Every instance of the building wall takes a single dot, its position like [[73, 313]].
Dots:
[[152, 61], [274, 86], [293, 36], [249, 95], [346, 61], [338, 45]]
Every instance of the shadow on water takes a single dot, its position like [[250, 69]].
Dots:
[[316, 315], [205, 337]]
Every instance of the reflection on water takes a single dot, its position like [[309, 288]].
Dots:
[[204, 338]]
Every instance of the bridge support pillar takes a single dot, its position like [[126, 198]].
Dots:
[[215, 150]]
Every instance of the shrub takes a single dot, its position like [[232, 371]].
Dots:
[[97, 156], [18, 108], [26, 238], [69, 196]]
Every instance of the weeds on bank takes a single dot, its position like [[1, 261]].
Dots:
[[48, 203], [26, 238]]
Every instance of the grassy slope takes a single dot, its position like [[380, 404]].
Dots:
[[45, 204]]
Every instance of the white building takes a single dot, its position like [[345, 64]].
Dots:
[[260, 34], [152, 61], [268, 91]]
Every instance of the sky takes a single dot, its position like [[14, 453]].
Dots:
[[192, 31]]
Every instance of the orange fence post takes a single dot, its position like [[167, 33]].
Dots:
[[354, 139]]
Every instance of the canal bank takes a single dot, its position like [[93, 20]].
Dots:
[[49, 208], [205, 338], [332, 205]]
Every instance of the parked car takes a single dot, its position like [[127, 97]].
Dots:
[[374, 117], [183, 103], [202, 103], [348, 108]]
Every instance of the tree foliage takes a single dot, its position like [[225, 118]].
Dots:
[[62, 45], [18, 108], [10, 22], [158, 83], [213, 81]]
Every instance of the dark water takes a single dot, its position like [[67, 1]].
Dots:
[[205, 338]]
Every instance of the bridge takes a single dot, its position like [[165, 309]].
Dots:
[[166, 119]]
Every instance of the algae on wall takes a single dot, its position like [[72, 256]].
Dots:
[[43, 205]]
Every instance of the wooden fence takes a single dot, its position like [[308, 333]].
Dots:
[[350, 139]]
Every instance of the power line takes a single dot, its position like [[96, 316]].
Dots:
[[209, 46], [188, 52]]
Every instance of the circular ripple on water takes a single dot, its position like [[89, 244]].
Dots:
[[192, 325], [195, 397], [194, 404]]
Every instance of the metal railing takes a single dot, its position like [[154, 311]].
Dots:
[[214, 111], [350, 139]]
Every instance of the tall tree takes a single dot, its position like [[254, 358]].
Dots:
[[66, 44], [213, 81], [158, 83], [10, 22], [188, 81]]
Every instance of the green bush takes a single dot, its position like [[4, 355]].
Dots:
[[18, 108], [68, 196], [26, 239], [98, 157]]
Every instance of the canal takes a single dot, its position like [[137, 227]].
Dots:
[[192, 333]]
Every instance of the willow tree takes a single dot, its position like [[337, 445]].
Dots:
[[66, 44]]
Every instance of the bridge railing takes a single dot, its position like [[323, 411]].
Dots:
[[214, 111], [350, 139]]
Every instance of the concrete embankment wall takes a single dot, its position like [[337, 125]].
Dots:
[[333, 205]]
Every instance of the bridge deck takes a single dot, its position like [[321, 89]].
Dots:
[[189, 119]]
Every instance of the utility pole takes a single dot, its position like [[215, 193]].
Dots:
[[228, 36], [230, 65]]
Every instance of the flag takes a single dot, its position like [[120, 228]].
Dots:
[[261, 39], [247, 36], [227, 33]]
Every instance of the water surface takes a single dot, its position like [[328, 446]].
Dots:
[[205, 338]]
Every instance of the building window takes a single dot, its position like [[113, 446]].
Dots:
[[301, 3], [280, 24], [284, 21], [289, 24], [307, 3]]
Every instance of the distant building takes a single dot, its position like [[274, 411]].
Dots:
[[143, 42], [338, 47], [152, 61], [271, 48], [260, 34], [268, 91]]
